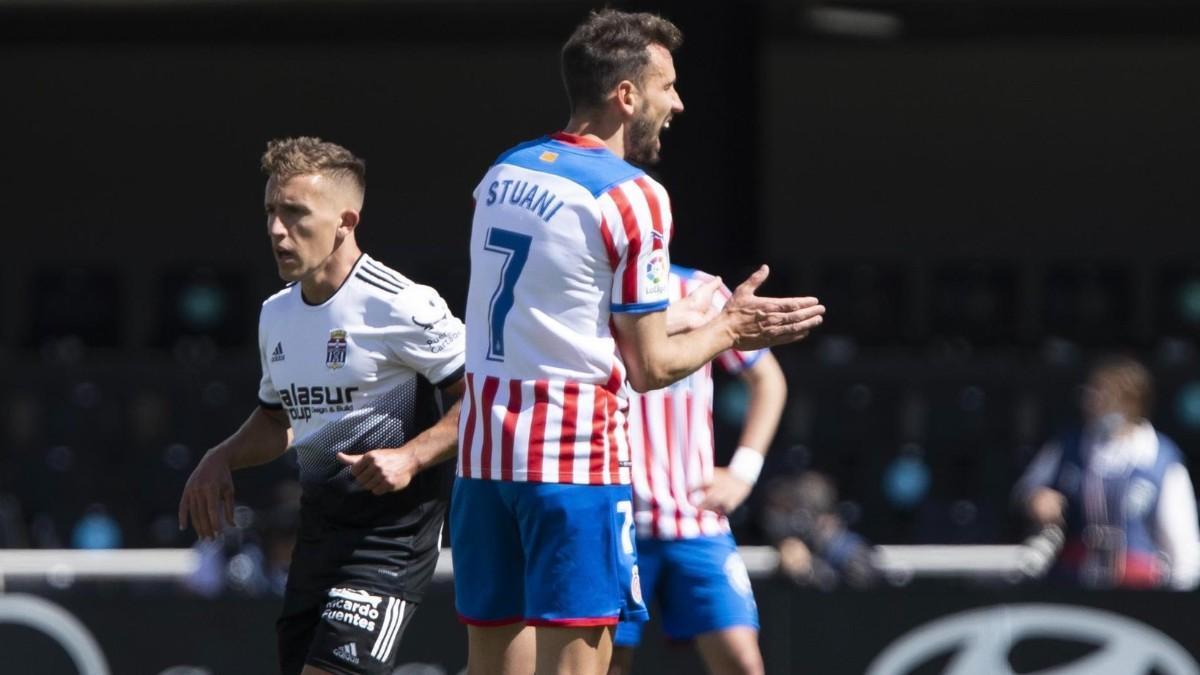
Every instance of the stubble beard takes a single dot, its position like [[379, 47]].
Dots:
[[640, 140]]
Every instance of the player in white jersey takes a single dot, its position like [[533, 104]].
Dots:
[[686, 555], [353, 354], [567, 296]]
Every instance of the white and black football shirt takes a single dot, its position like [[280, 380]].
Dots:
[[354, 373]]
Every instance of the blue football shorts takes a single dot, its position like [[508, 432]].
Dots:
[[544, 554], [701, 585]]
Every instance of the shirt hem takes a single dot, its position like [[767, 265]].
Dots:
[[593, 479]]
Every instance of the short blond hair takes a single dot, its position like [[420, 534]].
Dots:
[[290, 157]]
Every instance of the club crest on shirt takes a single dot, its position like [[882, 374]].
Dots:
[[335, 349]]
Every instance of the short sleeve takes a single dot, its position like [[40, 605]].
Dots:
[[635, 224], [733, 361], [426, 336], [268, 397]]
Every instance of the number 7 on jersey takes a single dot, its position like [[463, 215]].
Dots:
[[514, 246]]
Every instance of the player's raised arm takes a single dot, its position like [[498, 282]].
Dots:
[[208, 494], [655, 359]]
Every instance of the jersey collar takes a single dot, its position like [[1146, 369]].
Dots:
[[577, 140], [353, 268]]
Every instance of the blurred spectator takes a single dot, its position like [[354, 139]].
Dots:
[[252, 557], [1119, 489], [815, 546]]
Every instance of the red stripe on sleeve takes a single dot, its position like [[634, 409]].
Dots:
[[566, 442], [490, 385], [609, 246], [633, 248], [537, 429], [508, 430], [465, 447], [656, 218]]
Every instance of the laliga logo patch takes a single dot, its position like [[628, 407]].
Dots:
[[335, 349], [981, 640], [656, 273]]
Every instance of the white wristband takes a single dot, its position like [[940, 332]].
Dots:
[[746, 464]]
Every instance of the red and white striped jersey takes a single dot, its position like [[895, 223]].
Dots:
[[564, 234], [671, 437]]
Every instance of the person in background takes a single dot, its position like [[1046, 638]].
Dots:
[[815, 546], [1118, 488], [687, 557]]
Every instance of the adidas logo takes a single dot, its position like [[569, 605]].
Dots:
[[347, 652], [277, 355]]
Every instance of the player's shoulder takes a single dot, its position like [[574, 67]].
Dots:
[[278, 299], [375, 279], [399, 293], [590, 165]]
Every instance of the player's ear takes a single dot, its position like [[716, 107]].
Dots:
[[626, 98], [350, 219]]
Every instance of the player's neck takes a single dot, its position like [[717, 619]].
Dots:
[[611, 134], [324, 281]]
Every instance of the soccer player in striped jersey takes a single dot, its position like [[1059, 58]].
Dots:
[[353, 354], [569, 299], [686, 555]]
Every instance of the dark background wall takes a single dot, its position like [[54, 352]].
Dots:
[[1020, 148], [983, 202], [138, 133]]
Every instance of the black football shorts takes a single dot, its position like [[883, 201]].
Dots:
[[351, 593]]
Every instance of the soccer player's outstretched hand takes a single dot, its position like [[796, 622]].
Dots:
[[695, 310], [765, 322], [384, 470], [725, 493], [207, 496]]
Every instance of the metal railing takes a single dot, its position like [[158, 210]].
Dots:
[[898, 564]]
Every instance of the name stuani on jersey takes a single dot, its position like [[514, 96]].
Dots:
[[524, 194]]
